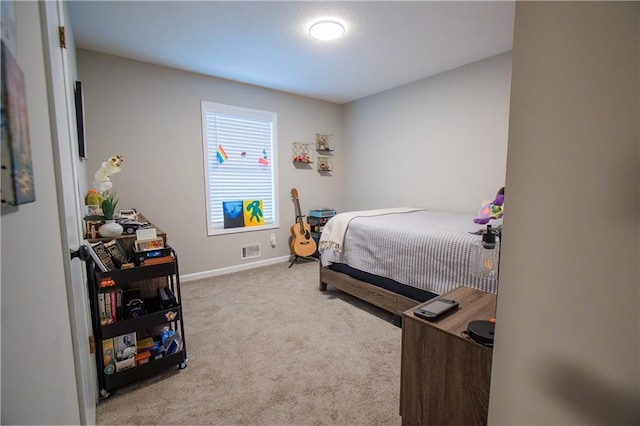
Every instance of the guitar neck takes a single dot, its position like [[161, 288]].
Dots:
[[299, 217], [296, 203], [298, 212]]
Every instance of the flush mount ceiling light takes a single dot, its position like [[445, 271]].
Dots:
[[326, 30]]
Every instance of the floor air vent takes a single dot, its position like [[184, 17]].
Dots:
[[250, 251]]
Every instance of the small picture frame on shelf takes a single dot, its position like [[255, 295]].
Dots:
[[94, 210], [92, 228]]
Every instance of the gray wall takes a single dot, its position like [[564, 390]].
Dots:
[[573, 145], [398, 147], [151, 115], [440, 142], [568, 325], [38, 375]]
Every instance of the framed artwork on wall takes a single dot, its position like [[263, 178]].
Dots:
[[17, 165], [79, 97]]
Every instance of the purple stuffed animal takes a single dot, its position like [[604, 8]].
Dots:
[[492, 210]]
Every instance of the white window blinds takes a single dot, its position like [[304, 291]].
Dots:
[[239, 154]]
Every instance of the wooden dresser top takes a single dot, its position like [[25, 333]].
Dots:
[[474, 305]]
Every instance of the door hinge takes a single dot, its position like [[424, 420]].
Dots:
[[92, 345], [63, 37]]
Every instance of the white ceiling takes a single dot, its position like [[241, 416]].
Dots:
[[266, 43]]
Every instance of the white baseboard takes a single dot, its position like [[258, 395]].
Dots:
[[236, 268]]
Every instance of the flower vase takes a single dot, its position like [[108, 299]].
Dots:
[[110, 229]]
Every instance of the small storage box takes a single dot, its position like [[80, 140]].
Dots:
[[157, 351], [322, 213], [143, 358]]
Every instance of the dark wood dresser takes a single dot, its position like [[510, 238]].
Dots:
[[445, 377]]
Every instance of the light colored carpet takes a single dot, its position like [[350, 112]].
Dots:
[[266, 347]]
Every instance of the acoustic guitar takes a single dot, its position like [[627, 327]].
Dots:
[[302, 244]]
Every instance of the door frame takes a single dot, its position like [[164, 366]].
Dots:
[[60, 94]]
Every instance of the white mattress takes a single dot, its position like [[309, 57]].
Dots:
[[424, 249]]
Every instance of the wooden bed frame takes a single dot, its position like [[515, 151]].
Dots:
[[385, 299]]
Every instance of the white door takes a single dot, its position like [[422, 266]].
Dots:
[[61, 74]]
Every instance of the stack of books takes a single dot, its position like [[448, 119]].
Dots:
[[108, 256], [110, 306]]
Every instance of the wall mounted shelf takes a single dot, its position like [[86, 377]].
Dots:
[[323, 142], [301, 153], [325, 164]]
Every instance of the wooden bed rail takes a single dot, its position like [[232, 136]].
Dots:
[[385, 299]]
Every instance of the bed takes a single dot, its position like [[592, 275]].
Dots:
[[398, 258]]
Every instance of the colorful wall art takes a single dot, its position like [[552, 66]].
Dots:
[[17, 166], [233, 217], [253, 215], [242, 213]]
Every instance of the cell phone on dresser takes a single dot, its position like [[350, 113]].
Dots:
[[436, 309]]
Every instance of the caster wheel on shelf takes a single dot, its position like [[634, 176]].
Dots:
[[104, 393], [182, 365]]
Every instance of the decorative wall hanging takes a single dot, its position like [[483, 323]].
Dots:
[[253, 215], [17, 165], [323, 142], [242, 213], [221, 155], [301, 152], [325, 164]]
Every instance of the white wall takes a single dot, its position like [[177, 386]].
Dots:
[[38, 376], [439, 143], [568, 323], [151, 115]]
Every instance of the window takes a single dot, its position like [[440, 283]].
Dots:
[[240, 168]]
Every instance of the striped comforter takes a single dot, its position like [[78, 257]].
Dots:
[[424, 249]]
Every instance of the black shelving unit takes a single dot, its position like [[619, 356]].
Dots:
[[145, 279], [317, 224]]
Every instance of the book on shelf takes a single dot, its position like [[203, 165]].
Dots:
[[158, 260], [108, 256], [108, 316], [116, 252], [125, 347], [101, 256], [114, 309], [145, 344], [108, 356], [110, 306], [119, 309], [102, 309], [95, 257]]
